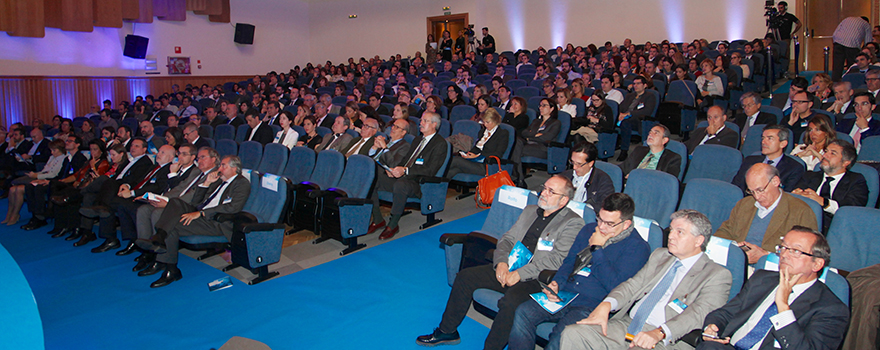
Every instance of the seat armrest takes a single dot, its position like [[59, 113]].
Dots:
[[260, 227], [432, 179], [451, 239], [344, 201], [557, 144], [693, 338], [305, 185], [238, 219], [315, 193], [546, 276]]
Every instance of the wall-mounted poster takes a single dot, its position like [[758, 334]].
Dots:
[[178, 65]]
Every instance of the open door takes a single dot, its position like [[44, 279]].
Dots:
[[452, 23], [820, 20]]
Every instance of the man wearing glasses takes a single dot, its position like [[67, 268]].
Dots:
[[548, 231], [863, 125], [591, 185], [654, 156], [783, 101], [800, 114], [634, 108], [835, 186], [362, 144], [774, 139], [872, 80], [757, 221], [788, 309], [751, 115], [603, 255]]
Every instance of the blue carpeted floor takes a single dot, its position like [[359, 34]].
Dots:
[[377, 298]]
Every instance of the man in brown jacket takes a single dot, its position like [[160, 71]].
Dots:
[[757, 221]]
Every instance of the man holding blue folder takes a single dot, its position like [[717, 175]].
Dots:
[[547, 231], [603, 255]]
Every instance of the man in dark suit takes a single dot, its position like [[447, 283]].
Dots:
[[191, 134], [654, 156], [536, 227], [198, 217], [426, 156], [863, 125], [338, 139], [637, 106], [214, 119], [155, 181], [388, 152], [231, 113], [783, 101], [132, 174], [773, 142], [148, 134], [188, 178], [37, 191], [160, 114], [375, 101], [362, 144], [258, 130], [715, 134], [751, 115], [591, 184], [788, 309], [503, 98], [835, 186], [666, 299], [273, 111], [842, 104], [15, 151]]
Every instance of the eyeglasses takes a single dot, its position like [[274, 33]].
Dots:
[[550, 191], [760, 190], [610, 224], [799, 101], [794, 252], [372, 127], [576, 164]]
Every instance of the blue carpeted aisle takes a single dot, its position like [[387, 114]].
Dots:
[[377, 298]]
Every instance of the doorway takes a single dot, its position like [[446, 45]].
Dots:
[[821, 18], [452, 23]]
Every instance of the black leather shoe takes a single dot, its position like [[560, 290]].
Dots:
[[438, 338], [86, 238], [110, 243], [130, 248], [167, 278], [622, 157], [77, 233], [60, 200], [154, 268], [55, 230], [142, 264], [34, 224], [61, 233]]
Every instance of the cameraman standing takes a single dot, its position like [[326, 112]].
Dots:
[[488, 44], [783, 22]]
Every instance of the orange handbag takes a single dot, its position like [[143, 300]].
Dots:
[[486, 186]]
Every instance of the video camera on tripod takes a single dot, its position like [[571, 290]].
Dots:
[[774, 18], [469, 31]]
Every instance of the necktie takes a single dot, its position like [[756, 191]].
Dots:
[[415, 155], [335, 138], [825, 191], [651, 300], [198, 179], [857, 139], [769, 162], [646, 161], [756, 334], [355, 148], [216, 192], [146, 179]]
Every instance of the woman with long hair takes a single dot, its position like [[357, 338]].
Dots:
[[66, 192], [820, 132], [311, 139], [542, 130]]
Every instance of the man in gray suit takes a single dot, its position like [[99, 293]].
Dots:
[[388, 153], [338, 139], [547, 230], [223, 192], [190, 177], [672, 295]]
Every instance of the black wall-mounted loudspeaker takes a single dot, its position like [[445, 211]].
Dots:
[[244, 33], [135, 46]]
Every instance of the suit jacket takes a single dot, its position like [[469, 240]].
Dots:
[[821, 317], [779, 101], [201, 142], [790, 171], [726, 137], [157, 183], [42, 153], [763, 118], [704, 288], [598, 186], [562, 231], [395, 153], [219, 120], [495, 146], [232, 200], [382, 110], [137, 172], [328, 121], [647, 100], [669, 162], [433, 155], [339, 145], [846, 125], [263, 135], [161, 117], [290, 138], [236, 121], [789, 212], [851, 190], [365, 149], [175, 188]]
